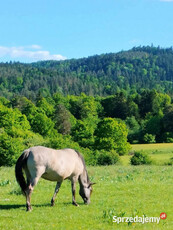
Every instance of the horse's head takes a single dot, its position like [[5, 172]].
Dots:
[[85, 192]]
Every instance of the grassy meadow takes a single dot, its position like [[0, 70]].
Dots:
[[159, 153], [121, 190]]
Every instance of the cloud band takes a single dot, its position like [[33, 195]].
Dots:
[[32, 53]]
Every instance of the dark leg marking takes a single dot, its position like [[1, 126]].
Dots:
[[73, 186], [58, 185]]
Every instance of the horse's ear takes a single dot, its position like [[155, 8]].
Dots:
[[91, 183]]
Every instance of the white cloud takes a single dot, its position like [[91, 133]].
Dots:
[[32, 53], [36, 47]]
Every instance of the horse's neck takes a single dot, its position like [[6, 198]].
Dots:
[[83, 178]]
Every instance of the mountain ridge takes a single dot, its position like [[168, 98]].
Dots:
[[139, 68]]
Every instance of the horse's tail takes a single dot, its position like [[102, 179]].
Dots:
[[21, 162]]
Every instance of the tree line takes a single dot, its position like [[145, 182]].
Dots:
[[102, 128]]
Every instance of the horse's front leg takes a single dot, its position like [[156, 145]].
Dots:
[[58, 185], [73, 186]]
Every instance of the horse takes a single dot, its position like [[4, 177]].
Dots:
[[53, 165]]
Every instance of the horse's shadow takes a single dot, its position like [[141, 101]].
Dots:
[[23, 206], [11, 206], [70, 204], [18, 206]]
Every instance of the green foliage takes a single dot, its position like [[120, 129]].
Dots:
[[83, 134], [42, 124], [153, 124], [107, 158], [10, 117], [4, 101], [134, 129], [34, 139], [10, 149], [60, 142], [160, 102], [89, 107], [107, 74], [14, 123], [86, 110], [168, 118], [111, 134], [140, 158], [63, 119], [45, 106], [89, 124], [168, 137], [149, 138], [119, 106], [170, 162]]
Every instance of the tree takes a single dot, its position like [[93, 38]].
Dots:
[[85, 107], [119, 106], [42, 124], [168, 119], [160, 102], [146, 102], [10, 149], [153, 125], [111, 134], [83, 134], [134, 129], [14, 122], [115, 106], [149, 138], [43, 105], [89, 107], [62, 120]]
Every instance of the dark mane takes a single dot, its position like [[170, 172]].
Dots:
[[83, 161]]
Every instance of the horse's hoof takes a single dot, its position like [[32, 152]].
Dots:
[[29, 209], [52, 203], [75, 204]]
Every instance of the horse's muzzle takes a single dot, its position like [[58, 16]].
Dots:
[[86, 201]]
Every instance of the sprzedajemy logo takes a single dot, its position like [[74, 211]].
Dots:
[[139, 219]]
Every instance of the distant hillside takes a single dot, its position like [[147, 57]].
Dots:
[[106, 74]]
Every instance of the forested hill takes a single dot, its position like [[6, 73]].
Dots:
[[106, 74]]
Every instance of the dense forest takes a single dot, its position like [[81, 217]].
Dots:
[[100, 127], [97, 105], [134, 70]]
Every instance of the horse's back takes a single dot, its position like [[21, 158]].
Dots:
[[54, 164]]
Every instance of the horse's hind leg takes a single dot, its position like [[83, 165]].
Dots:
[[33, 174], [28, 197], [29, 191], [58, 185]]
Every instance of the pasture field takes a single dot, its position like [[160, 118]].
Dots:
[[154, 148], [120, 191], [159, 153]]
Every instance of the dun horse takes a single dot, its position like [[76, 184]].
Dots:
[[53, 165]]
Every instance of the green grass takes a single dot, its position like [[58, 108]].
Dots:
[[120, 190], [159, 153], [161, 148]]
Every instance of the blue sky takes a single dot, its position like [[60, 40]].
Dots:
[[58, 29]]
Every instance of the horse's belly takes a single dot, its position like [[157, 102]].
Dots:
[[52, 176]]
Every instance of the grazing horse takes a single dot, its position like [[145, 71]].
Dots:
[[53, 165]]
